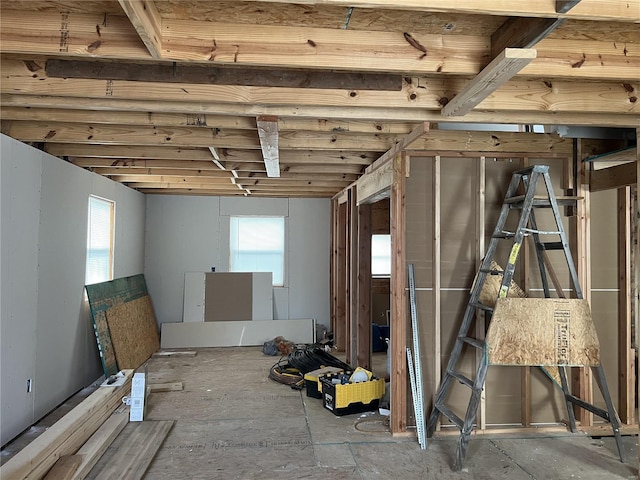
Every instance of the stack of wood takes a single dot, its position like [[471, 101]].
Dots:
[[71, 447]]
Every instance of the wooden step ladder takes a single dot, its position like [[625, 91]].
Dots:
[[561, 314]]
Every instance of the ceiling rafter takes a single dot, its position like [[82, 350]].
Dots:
[[501, 69], [145, 18]]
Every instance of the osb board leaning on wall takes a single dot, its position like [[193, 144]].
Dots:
[[542, 332], [124, 322]]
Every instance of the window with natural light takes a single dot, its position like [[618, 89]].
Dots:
[[257, 245], [381, 255], [99, 266]]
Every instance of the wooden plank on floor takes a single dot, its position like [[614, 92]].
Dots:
[[67, 435], [136, 453], [95, 447], [165, 387], [65, 468], [180, 353]]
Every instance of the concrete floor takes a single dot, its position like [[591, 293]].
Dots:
[[232, 422]]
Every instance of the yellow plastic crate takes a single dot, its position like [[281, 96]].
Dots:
[[343, 399]]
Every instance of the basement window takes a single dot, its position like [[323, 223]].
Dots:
[[99, 266], [257, 245], [381, 255]]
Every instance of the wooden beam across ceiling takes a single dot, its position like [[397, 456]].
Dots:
[[501, 69], [219, 75], [520, 32], [145, 18], [619, 10], [268, 133], [249, 46], [426, 94], [563, 6], [328, 115]]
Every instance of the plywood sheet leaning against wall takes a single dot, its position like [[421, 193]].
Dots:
[[124, 322], [542, 332]]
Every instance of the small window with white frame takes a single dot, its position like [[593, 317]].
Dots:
[[257, 245], [100, 240], [381, 255]]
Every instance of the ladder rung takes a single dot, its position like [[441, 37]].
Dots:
[[482, 306], [541, 232], [504, 235], [461, 378], [444, 410], [542, 201], [474, 342], [552, 246]]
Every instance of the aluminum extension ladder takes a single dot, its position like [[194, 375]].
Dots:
[[526, 203]]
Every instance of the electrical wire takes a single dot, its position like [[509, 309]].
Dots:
[[284, 373], [313, 357]]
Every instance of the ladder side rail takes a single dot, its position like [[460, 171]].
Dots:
[[613, 416], [527, 205], [565, 389], [565, 244], [472, 411], [540, 255]]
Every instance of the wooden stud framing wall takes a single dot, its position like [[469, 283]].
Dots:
[[441, 214]]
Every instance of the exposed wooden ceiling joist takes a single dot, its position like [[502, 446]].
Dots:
[[620, 10], [501, 69], [145, 18], [273, 47], [321, 114], [216, 75], [157, 122]]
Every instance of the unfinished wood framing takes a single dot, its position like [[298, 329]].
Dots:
[[580, 239], [398, 397], [501, 69], [145, 18], [524, 153], [352, 277], [363, 292], [480, 327], [268, 134], [626, 352], [436, 277]]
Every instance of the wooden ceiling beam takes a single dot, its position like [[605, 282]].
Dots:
[[334, 157], [187, 137], [173, 172], [427, 94], [218, 75], [145, 18], [501, 69], [540, 116], [563, 6], [161, 119], [136, 164], [607, 10], [282, 47], [184, 179], [482, 141], [311, 168], [520, 32], [268, 134]]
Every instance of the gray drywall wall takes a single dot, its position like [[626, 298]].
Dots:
[[192, 234], [44, 226]]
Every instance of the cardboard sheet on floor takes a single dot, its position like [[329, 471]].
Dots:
[[122, 294], [235, 333]]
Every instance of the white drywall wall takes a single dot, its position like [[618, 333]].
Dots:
[[192, 234], [45, 324]]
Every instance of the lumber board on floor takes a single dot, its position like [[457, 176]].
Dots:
[[137, 451], [65, 468], [180, 353], [95, 447], [67, 435], [165, 387]]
